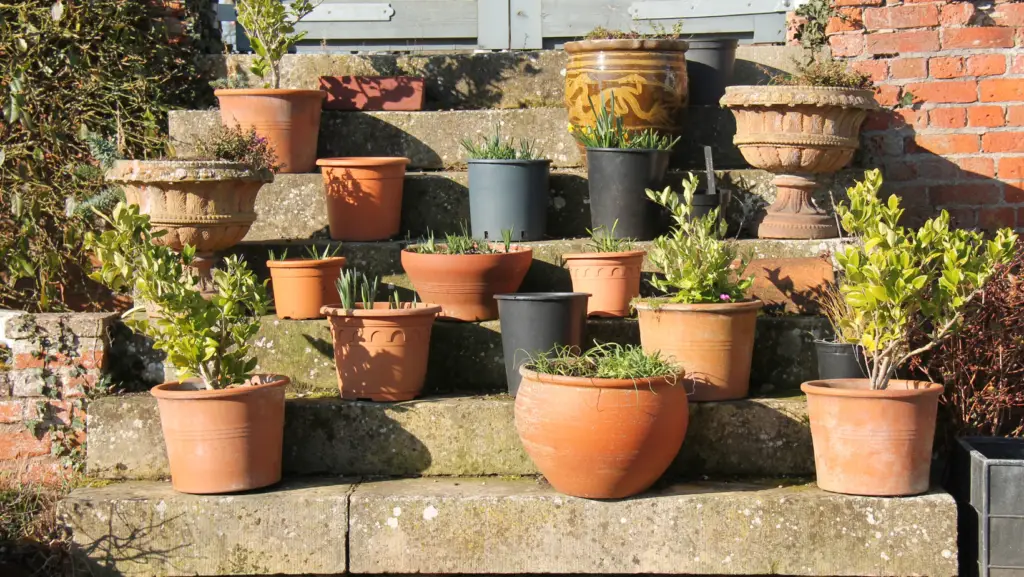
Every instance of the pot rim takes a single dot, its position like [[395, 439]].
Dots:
[[300, 262], [627, 44], [595, 383], [167, 390], [168, 170], [362, 161], [374, 77], [630, 150], [418, 310], [603, 255], [546, 161], [541, 296], [270, 92], [742, 96], [822, 388], [739, 307], [515, 249]]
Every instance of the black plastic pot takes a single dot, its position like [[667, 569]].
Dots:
[[709, 66], [839, 361], [508, 194], [534, 323], [988, 483], [704, 203], [618, 180]]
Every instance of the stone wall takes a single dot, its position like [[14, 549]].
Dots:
[[49, 365], [960, 145]]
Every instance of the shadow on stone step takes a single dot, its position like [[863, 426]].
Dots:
[[368, 135], [155, 543]]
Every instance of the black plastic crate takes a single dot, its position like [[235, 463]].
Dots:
[[991, 480]]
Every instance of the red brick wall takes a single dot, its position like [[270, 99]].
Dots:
[[50, 363], [961, 145]]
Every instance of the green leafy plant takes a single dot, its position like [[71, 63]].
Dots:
[[234, 144], [325, 253], [825, 72], [270, 25], [604, 240], [205, 338], [497, 148], [604, 361], [353, 285], [902, 282], [816, 14], [696, 262], [609, 131]]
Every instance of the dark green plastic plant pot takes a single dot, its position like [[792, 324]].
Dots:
[[508, 194]]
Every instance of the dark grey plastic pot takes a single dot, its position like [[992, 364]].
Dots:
[[709, 66], [839, 361], [506, 194], [618, 180], [534, 323]]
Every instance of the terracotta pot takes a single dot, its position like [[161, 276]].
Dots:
[[465, 285], [794, 131], [713, 342], [648, 78], [222, 441], [600, 438], [381, 354], [395, 93], [289, 119], [364, 196], [611, 278], [303, 286], [870, 442]]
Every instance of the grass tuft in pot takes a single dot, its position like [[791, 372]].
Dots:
[[304, 285], [604, 361], [498, 148]]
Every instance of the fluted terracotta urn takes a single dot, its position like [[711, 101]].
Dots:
[[208, 204], [797, 132]]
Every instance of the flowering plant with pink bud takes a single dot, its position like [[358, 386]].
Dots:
[[235, 144]]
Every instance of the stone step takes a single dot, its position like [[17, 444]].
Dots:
[[292, 207], [453, 436], [466, 358], [477, 80], [496, 526]]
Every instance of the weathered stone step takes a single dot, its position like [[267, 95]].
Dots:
[[453, 436], [292, 207], [467, 357], [493, 526]]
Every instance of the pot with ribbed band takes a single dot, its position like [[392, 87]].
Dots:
[[363, 196], [288, 119], [303, 286], [611, 278], [872, 442], [223, 440]]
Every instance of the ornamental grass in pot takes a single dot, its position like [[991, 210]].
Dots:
[[462, 274], [622, 164], [704, 320], [290, 119], [609, 270], [508, 188], [603, 423], [874, 436], [223, 426], [302, 286], [380, 347]]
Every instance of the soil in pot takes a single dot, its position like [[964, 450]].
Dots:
[[601, 438], [714, 343], [381, 354], [464, 285], [618, 180], [303, 286], [611, 278], [870, 442], [364, 196], [709, 66], [535, 323], [508, 194], [289, 119], [839, 361], [223, 441]]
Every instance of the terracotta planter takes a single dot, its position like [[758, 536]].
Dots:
[[872, 442], [648, 78], [713, 342], [794, 132], [364, 196], [611, 278], [464, 285], [222, 441], [395, 93], [289, 119], [600, 438], [381, 354], [303, 286]]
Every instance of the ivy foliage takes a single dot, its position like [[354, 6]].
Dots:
[[72, 74]]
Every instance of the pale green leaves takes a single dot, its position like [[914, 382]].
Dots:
[[270, 26]]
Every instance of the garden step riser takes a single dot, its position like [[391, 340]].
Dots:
[[453, 437]]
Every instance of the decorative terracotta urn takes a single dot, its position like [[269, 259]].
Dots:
[[208, 204], [647, 76], [797, 132]]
